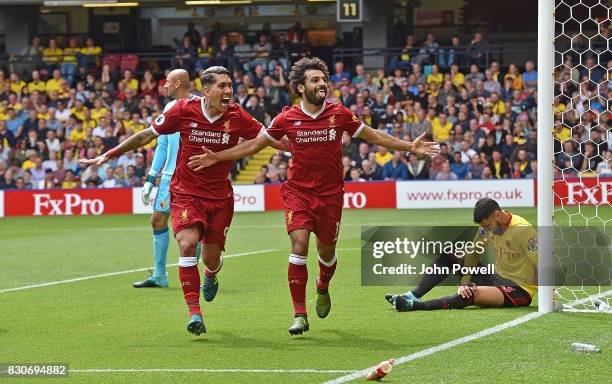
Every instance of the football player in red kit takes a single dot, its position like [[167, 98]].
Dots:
[[202, 203], [313, 193]]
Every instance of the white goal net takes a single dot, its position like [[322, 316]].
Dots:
[[582, 165]]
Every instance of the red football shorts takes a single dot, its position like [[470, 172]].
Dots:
[[215, 216], [320, 214]]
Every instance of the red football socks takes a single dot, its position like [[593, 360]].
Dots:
[[297, 275], [326, 272], [190, 282]]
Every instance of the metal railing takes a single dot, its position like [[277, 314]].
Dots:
[[159, 61], [141, 61], [495, 52]]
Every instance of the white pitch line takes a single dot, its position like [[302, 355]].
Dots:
[[118, 273], [441, 347], [208, 370]]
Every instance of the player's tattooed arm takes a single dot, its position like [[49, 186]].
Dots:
[[138, 140], [419, 146], [244, 149]]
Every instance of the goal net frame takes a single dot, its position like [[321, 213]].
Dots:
[[551, 298]]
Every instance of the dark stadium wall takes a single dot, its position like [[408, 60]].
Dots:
[[376, 27], [18, 25], [126, 39]]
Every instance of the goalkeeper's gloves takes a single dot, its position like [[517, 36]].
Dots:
[[145, 195]]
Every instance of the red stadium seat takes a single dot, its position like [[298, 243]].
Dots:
[[129, 62], [113, 61]]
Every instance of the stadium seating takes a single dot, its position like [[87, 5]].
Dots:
[[44, 119]]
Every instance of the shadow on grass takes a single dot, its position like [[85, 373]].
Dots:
[[327, 338]]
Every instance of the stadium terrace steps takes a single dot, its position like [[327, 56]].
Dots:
[[251, 169]]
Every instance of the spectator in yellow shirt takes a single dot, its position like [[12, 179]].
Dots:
[[98, 110], [558, 106], [17, 84], [43, 113], [435, 76], [13, 102], [433, 89], [52, 55], [37, 84], [78, 110], [561, 132], [383, 156], [88, 122], [457, 77], [515, 76], [3, 80], [69, 182], [64, 92], [54, 83], [90, 55], [441, 127], [494, 70], [133, 123], [205, 54], [30, 162], [497, 106], [70, 60], [78, 133], [129, 81]]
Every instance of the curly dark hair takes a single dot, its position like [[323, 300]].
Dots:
[[209, 75], [297, 75]]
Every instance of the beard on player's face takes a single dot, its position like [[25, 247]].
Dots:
[[316, 95], [494, 223]]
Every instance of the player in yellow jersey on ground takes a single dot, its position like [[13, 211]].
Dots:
[[514, 243]]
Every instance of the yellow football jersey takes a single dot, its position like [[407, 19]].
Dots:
[[516, 253]]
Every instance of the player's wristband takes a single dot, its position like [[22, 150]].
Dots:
[[151, 179], [113, 153]]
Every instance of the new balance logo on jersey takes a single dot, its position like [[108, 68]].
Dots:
[[193, 124], [297, 122]]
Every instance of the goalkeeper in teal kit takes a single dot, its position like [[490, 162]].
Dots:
[[178, 87]]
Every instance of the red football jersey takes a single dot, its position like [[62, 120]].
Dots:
[[189, 117], [316, 145]]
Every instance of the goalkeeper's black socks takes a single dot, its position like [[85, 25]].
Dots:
[[427, 282], [447, 302]]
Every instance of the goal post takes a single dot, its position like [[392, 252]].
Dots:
[[545, 153]]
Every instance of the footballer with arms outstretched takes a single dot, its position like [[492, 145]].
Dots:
[[515, 244], [177, 87], [201, 203], [313, 194]]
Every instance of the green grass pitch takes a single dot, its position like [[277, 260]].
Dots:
[[104, 323]]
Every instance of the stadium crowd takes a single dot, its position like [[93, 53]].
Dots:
[[61, 104]]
